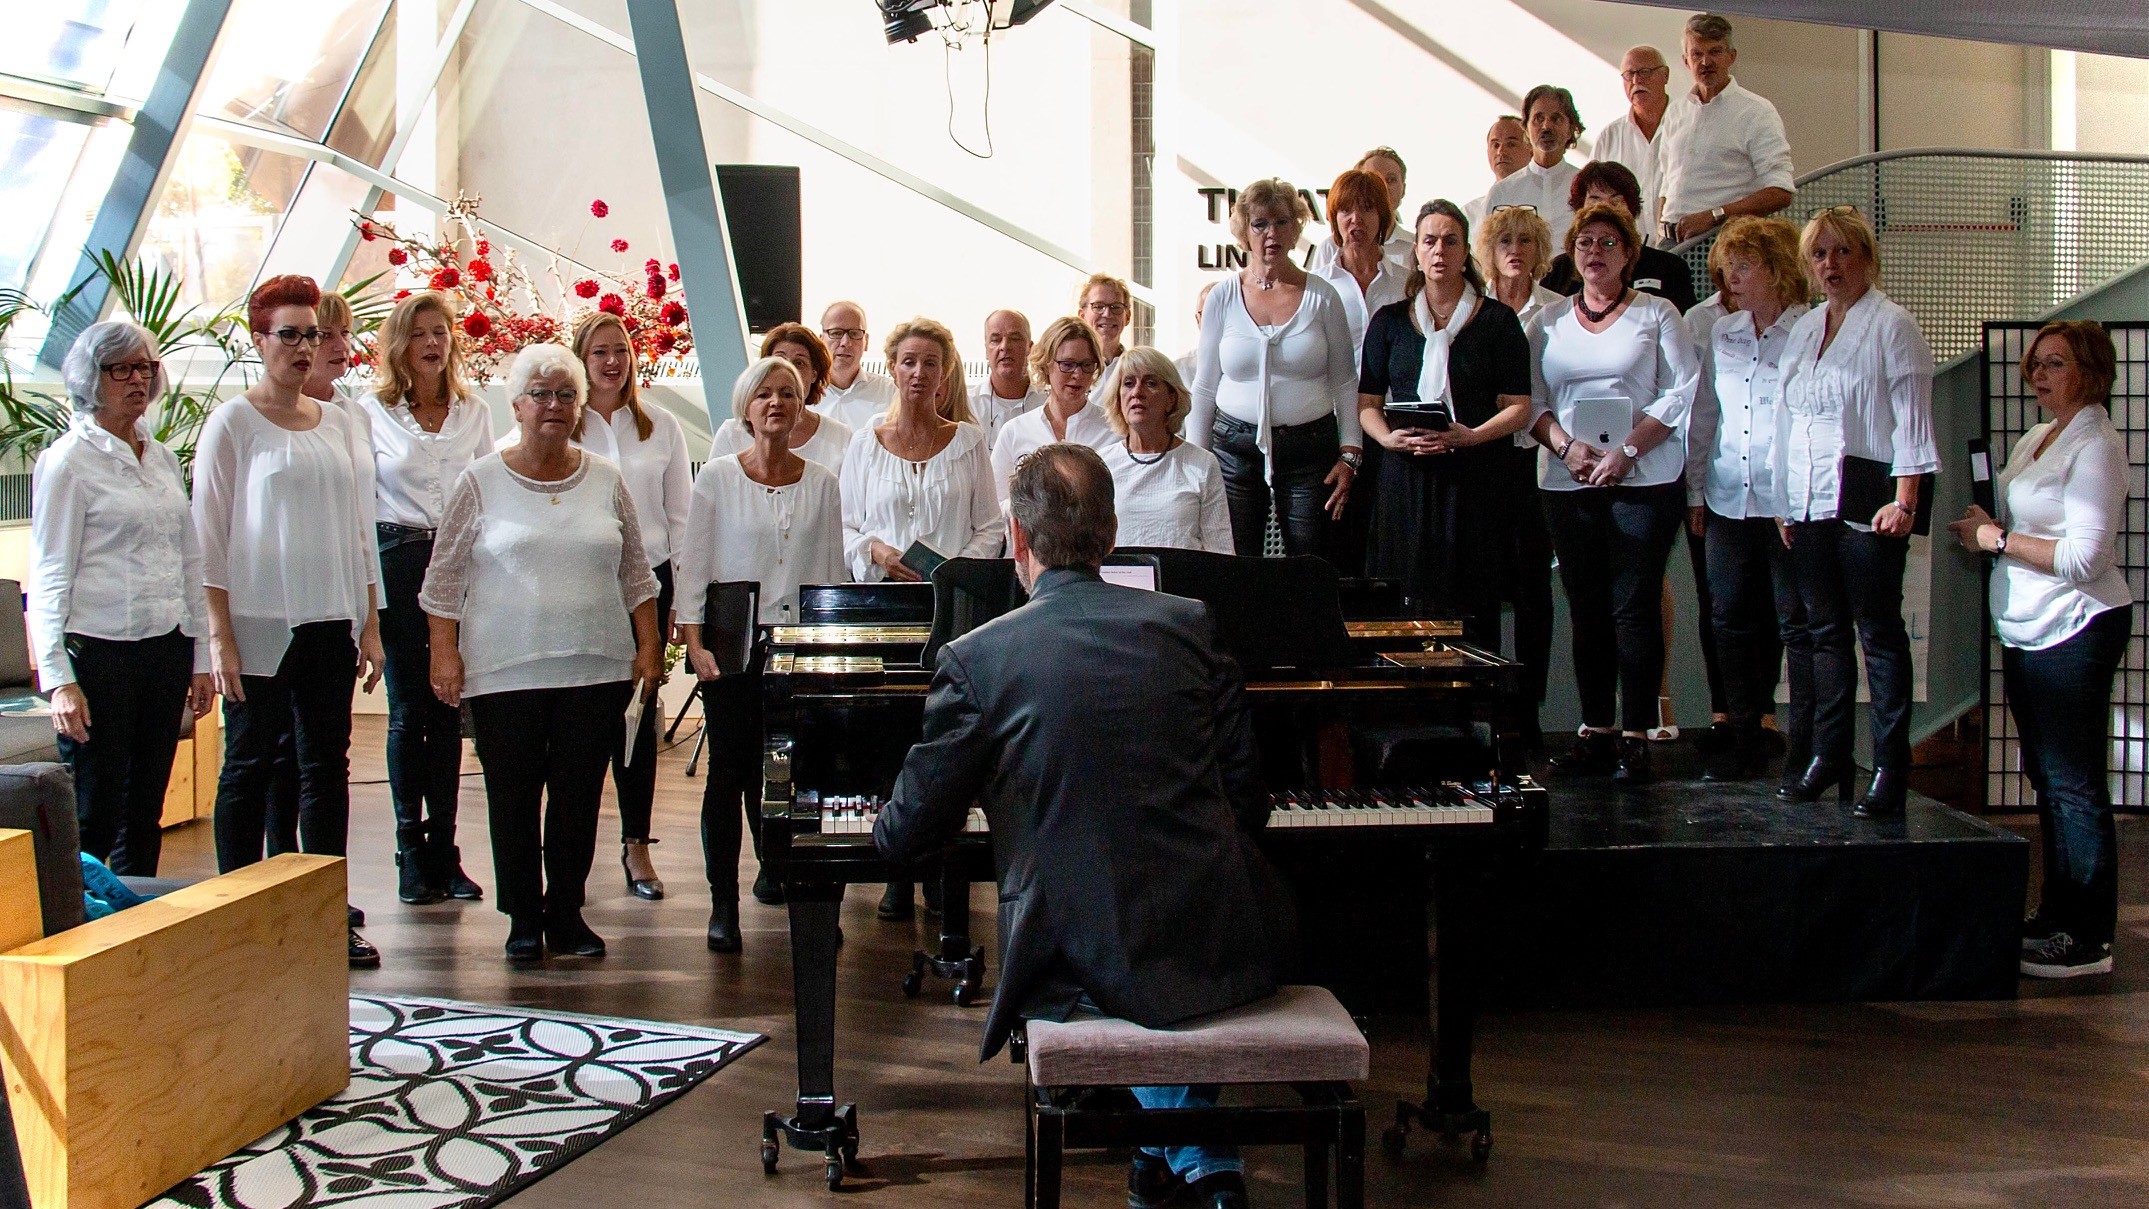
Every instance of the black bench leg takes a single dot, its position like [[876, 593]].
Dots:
[[1320, 1136], [1351, 1159], [1029, 1144], [1049, 1141]]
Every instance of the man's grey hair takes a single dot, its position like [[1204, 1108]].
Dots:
[[1709, 27], [538, 360], [99, 345], [1061, 495]]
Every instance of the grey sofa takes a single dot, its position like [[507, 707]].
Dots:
[[22, 740]]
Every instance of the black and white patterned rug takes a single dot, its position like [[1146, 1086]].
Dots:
[[455, 1105]]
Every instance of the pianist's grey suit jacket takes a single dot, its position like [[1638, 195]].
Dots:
[[1110, 745]]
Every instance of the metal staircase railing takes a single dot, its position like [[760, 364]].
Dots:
[[1971, 236]]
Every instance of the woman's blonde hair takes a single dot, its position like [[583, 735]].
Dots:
[[395, 379], [1771, 243], [954, 390], [1850, 226], [1605, 214], [334, 310], [1498, 225], [750, 383], [630, 392], [1270, 195], [1143, 359], [1056, 333]]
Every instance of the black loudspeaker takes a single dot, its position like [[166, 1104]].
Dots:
[[761, 210]]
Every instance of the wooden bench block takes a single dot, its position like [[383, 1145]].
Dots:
[[141, 1047], [20, 922], [179, 791]]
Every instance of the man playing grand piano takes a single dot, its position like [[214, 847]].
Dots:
[[1111, 748]]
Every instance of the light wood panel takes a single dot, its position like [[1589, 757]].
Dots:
[[191, 792], [20, 922], [141, 1047]]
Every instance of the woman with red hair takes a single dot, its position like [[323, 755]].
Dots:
[[284, 515]]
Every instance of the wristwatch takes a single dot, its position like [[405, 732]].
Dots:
[[1352, 458], [1999, 544], [1716, 214], [1632, 453]]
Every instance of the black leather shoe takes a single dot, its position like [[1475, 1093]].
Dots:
[[570, 937], [896, 904], [1151, 1183], [767, 890], [1886, 796], [1223, 1189], [411, 883], [354, 916], [724, 925], [1723, 754], [363, 955], [650, 888], [1595, 752], [458, 884], [525, 940], [1635, 764], [1815, 780]]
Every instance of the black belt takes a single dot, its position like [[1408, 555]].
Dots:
[[1234, 425], [392, 536]]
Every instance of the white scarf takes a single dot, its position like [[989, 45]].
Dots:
[[1433, 370]]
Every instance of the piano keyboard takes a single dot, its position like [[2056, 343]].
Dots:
[[1449, 804]]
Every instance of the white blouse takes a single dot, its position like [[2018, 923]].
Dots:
[[1170, 499], [1031, 431], [861, 404], [1731, 443], [1644, 358], [2075, 495], [112, 548], [993, 412], [1359, 308], [946, 501], [1275, 377], [1869, 396], [542, 577], [656, 471], [285, 521], [824, 448], [413, 470], [780, 537]]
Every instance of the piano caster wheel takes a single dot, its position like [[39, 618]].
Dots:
[[1481, 1146], [965, 993], [834, 1174], [769, 1146], [913, 984], [1391, 1140], [768, 1158]]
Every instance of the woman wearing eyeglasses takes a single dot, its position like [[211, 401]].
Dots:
[[1854, 455], [116, 612], [288, 567], [1066, 361]]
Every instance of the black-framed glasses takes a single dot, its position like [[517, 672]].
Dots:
[[833, 334], [1596, 243], [1075, 367], [1107, 308], [292, 337], [546, 398], [125, 371]]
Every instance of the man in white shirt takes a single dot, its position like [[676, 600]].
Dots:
[[1507, 149], [1106, 304], [1554, 125], [1006, 391], [1633, 140], [1723, 151], [854, 396]]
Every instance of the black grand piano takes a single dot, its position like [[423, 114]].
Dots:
[[1388, 746]]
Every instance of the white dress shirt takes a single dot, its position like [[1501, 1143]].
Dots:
[[1644, 358], [2076, 496], [1275, 377], [1175, 498], [1701, 320], [946, 501], [990, 411], [1712, 155], [824, 448], [414, 470], [656, 471], [1731, 442], [1032, 430], [1358, 308], [1544, 188], [1869, 396], [112, 548], [861, 404], [1104, 381], [779, 537], [1621, 142], [284, 522]]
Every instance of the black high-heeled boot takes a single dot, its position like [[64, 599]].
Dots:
[[1821, 773], [724, 923], [1886, 796], [896, 903]]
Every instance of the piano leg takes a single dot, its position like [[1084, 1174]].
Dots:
[[817, 1123], [956, 959], [1462, 890]]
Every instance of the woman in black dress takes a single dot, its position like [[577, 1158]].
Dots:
[[1447, 494]]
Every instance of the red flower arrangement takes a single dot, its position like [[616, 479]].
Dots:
[[612, 304], [672, 315], [397, 256], [587, 288], [599, 209], [476, 325], [619, 245], [445, 278], [480, 270]]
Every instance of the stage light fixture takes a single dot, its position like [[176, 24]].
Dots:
[[904, 20]]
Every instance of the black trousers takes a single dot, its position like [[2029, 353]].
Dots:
[[1305, 453], [544, 753], [1850, 578], [307, 704], [2061, 699], [425, 736], [137, 694], [1697, 553], [636, 782], [1612, 544], [1757, 619], [731, 796], [1528, 557]]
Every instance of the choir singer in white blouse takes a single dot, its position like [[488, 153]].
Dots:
[[1170, 492], [1066, 362], [544, 617], [116, 610], [767, 516], [815, 437]]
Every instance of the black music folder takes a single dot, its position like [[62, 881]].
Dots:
[[1982, 487], [923, 559], [1867, 485]]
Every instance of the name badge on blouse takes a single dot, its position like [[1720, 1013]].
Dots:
[[1648, 283]]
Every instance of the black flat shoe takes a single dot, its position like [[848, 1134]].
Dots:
[[1636, 767], [1886, 796], [1151, 1183], [525, 941], [1595, 752], [363, 955], [767, 890], [724, 925], [570, 937], [896, 904], [1223, 1189], [650, 888], [1816, 779], [355, 917]]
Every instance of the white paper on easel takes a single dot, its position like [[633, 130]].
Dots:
[[634, 720]]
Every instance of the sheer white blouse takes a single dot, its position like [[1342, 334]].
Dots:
[[947, 501]]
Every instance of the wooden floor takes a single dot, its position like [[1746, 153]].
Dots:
[[2044, 1101]]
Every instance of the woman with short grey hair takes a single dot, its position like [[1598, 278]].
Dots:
[[115, 596]]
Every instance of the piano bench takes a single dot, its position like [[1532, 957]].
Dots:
[[1300, 1037]]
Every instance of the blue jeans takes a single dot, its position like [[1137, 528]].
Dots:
[[2061, 698], [1189, 1163]]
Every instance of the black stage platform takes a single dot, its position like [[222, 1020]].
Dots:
[[1692, 892]]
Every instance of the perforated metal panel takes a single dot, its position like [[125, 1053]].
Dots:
[[2010, 411], [1967, 237]]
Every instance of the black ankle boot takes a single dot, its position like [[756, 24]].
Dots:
[[896, 903], [412, 883], [1724, 754], [525, 938], [568, 936], [1886, 796], [767, 890], [457, 883], [1819, 774], [724, 923], [1595, 752], [1635, 763]]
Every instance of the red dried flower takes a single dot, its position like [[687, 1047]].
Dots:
[[398, 256], [612, 304], [445, 278], [632, 324], [476, 325], [599, 209], [491, 294], [652, 266], [656, 287], [664, 342], [484, 247], [619, 245], [673, 272], [480, 270], [365, 231], [673, 314], [586, 288], [400, 295]]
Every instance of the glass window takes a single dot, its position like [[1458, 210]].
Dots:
[[286, 66], [76, 42], [37, 155], [218, 215]]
